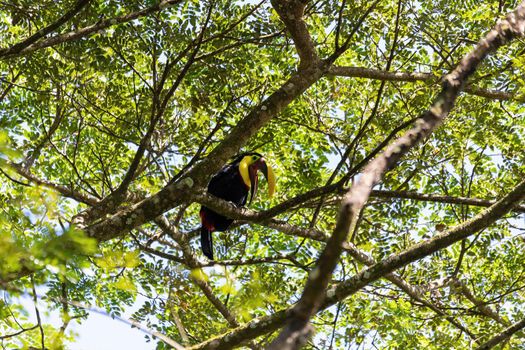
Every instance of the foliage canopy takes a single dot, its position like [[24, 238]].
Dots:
[[114, 115]]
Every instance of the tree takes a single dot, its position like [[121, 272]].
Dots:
[[396, 130]]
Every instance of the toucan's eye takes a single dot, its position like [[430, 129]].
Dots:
[[254, 157]]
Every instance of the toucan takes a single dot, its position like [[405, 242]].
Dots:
[[232, 183]]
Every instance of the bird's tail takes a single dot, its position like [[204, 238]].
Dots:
[[206, 242]]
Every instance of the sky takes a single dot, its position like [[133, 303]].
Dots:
[[103, 333], [99, 332]]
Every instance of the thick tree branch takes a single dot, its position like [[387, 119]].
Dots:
[[171, 195], [414, 292], [383, 75], [291, 13], [199, 195], [445, 239], [226, 208]]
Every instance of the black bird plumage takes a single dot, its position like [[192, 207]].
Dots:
[[227, 184]]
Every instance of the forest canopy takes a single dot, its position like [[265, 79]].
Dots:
[[395, 129]]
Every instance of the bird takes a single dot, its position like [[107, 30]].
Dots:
[[232, 183]]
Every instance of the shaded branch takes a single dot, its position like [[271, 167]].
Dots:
[[193, 263], [37, 313], [92, 29], [111, 202], [340, 49], [59, 116], [172, 195], [229, 262], [10, 85], [97, 310], [412, 291], [17, 48], [23, 330], [63, 190]]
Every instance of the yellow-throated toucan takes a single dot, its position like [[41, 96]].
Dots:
[[232, 183]]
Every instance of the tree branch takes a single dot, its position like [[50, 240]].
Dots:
[[430, 78], [17, 48], [81, 305], [193, 263], [504, 335], [460, 287], [111, 202], [23, 330], [90, 30], [59, 116], [63, 190], [439, 198], [291, 13]]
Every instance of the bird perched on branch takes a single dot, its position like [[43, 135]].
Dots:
[[232, 183]]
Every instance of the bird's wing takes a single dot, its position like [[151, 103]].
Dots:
[[228, 185], [221, 184]]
